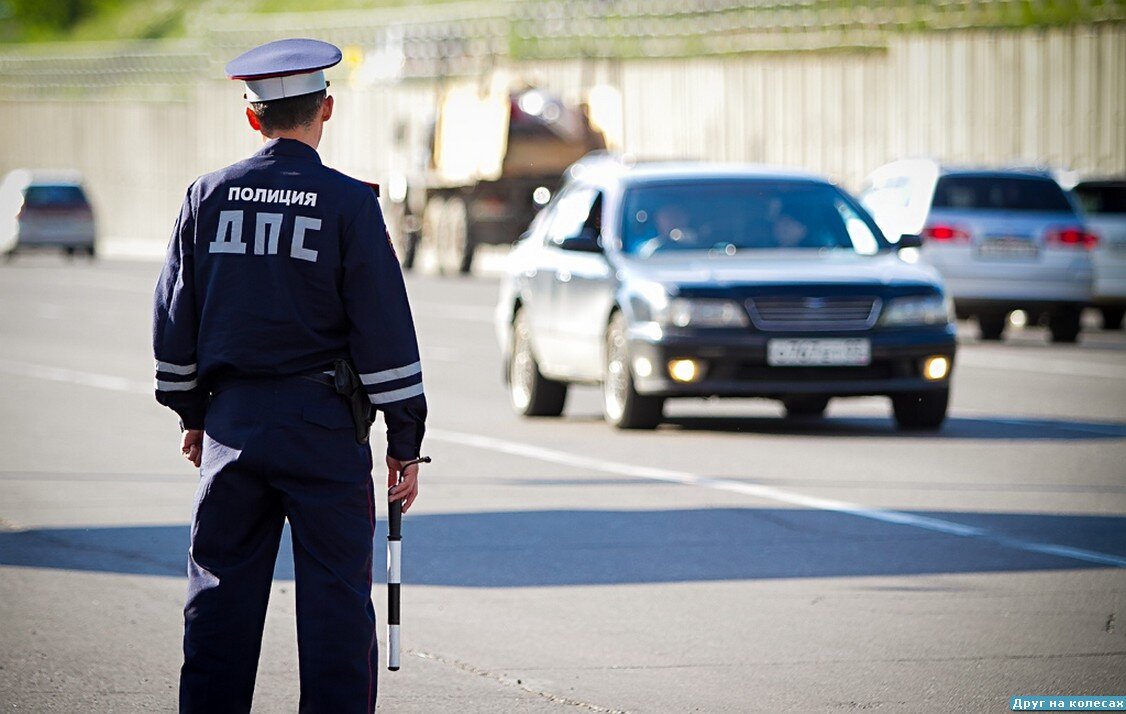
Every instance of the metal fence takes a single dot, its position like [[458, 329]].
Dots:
[[98, 69], [465, 37]]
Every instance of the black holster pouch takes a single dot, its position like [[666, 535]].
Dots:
[[348, 385]]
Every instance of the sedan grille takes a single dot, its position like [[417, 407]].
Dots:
[[814, 313]]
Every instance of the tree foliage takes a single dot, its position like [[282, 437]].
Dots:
[[52, 14]]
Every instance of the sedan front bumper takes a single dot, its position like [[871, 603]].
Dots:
[[735, 365]]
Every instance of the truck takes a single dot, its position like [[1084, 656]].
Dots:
[[493, 155]]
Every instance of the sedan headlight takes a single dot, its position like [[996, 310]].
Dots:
[[918, 310], [703, 312], [652, 303]]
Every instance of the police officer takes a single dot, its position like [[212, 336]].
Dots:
[[278, 269]]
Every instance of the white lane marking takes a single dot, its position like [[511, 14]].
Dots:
[[120, 384], [1040, 365], [74, 376], [515, 448]]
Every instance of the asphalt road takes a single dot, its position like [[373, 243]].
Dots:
[[729, 561]]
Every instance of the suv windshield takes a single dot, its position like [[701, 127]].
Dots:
[[1000, 193], [730, 216], [1099, 198], [43, 195]]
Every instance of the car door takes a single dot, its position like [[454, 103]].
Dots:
[[536, 272], [580, 278], [582, 296], [572, 212], [531, 276]]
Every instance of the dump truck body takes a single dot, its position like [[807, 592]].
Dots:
[[495, 156]]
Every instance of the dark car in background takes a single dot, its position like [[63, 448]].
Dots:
[[45, 209], [662, 281]]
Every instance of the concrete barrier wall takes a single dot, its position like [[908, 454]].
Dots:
[[1053, 97]]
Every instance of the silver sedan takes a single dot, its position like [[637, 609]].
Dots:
[[1003, 240]]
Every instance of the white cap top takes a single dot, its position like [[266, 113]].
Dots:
[[294, 85], [284, 68]]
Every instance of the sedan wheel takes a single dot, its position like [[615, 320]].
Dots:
[[1112, 317], [1064, 324], [531, 393], [622, 406], [992, 324]]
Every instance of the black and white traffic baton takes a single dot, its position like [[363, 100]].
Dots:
[[394, 569]]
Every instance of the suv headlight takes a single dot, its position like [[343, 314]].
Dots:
[[703, 312], [918, 310]]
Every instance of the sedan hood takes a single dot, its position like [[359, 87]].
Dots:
[[780, 268]]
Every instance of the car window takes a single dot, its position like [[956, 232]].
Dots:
[[572, 211], [1000, 193], [729, 216], [42, 195], [1102, 198]]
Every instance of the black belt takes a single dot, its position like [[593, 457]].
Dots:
[[343, 380], [320, 377]]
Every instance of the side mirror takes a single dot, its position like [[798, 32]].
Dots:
[[909, 240], [587, 241]]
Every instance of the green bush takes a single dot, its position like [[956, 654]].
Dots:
[[53, 14]]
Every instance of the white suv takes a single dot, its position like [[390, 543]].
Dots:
[[1003, 239], [45, 209]]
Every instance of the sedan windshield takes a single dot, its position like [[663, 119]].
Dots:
[[725, 217]]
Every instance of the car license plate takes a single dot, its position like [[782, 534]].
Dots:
[[818, 353], [1008, 247]]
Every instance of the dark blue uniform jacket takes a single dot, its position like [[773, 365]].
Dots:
[[277, 266]]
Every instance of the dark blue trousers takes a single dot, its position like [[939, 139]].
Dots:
[[277, 450]]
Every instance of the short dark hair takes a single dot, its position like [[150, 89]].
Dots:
[[288, 113]]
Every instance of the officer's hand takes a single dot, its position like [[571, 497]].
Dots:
[[191, 445], [407, 490]]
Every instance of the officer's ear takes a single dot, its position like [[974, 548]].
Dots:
[[326, 109], [253, 119]]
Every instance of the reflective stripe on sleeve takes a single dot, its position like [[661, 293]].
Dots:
[[163, 386], [180, 369], [388, 375], [396, 395]]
